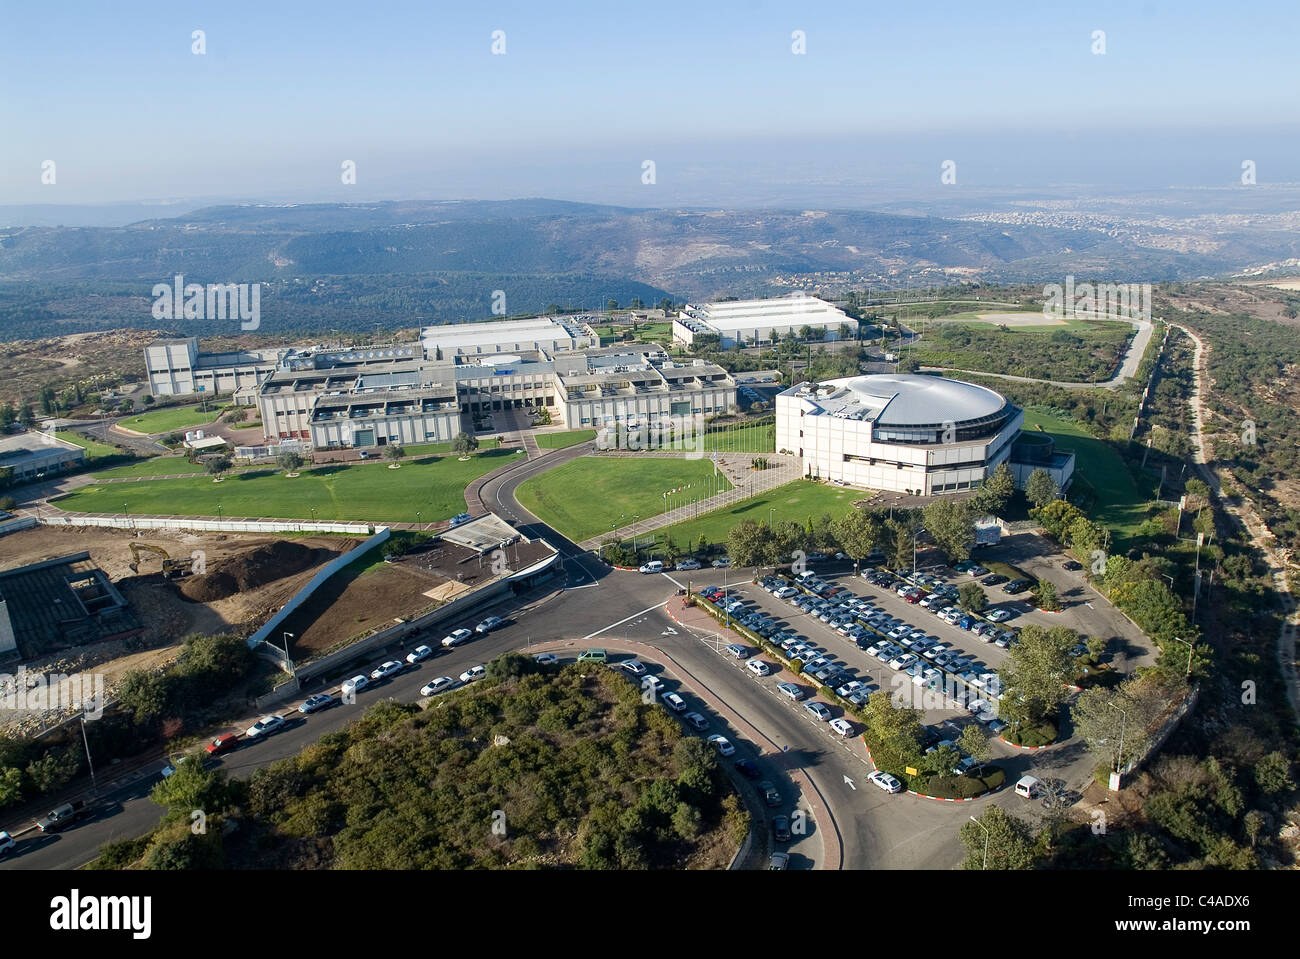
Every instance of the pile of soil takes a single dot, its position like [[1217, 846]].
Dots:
[[252, 569]]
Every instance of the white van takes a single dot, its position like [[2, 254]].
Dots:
[[654, 566], [1029, 787]]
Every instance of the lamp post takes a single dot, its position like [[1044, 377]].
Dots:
[[1190, 650], [220, 514], [986, 841], [1119, 758], [86, 740], [293, 670]]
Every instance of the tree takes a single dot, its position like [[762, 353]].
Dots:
[[1041, 489], [1046, 592], [26, 418], [972, 598], [7, 415], [1005, 841], [747, 543], [217, 465], [858, 533], [1035, 672], [11, 786], [787, 537], [995, 493], [611, 304], [464, 443], [394, 452], [899, 539], [148, 400], [975, 744], [897, 727], [144, 694], [951, 526], [191, 787], [289, 462]]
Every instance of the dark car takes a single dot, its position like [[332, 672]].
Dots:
[[997, 579], [1073, 566], [62, 816], [781, 828], [747, 768], [770, 794], [1016, 586]]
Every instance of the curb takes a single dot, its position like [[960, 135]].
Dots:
[[912, 792], [1029, 748]]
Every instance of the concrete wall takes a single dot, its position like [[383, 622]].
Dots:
[[209, 525]]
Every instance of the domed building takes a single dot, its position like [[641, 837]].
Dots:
[[916, 434]]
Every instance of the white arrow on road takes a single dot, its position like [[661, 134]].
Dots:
[[669, 632], [850, 782]]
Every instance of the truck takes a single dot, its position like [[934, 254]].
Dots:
[[60, 817]]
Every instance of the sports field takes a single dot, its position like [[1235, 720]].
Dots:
[[369, 491], [795, 502], [170, 419], [1121, 505], [559, 441], [740, 438], [582, 498]]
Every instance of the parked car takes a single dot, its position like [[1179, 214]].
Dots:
[[674, 702], [885, 781], [759, 668], [723, 744], [1000, 615], [790, 689], [7, 844], [654, 566], [850, 687], [457, 519], [313, 703], [689, 564], [593, 656], [473, 674], [770, 794], [747, 768], [265, 727], [222, 744], [722, 563], [778, 861], [61, 817], [653, 683], [489, 624], [997, 579], [435, 686], [818, 711], [1016, 586], [456, 637], [842, 726], [354, 685], [696, 720], [419, 654], [781, 828], [1073, 565], [387, 670], [546, 659], [633, 666]]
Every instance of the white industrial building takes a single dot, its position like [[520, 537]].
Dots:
[[759, 321], [549, 333], [36, 454], [175, 367], [905, 433]]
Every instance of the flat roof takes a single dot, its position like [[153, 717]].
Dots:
[[494, 332], [794, 310]]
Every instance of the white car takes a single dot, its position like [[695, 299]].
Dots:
[[999, 616], [849, 688], [758, 667], [384, 670], [634, 666], [652, 682], [546, 659], [885, 781], [723, 744], [265, 726], [458, 637], [791, 690], [786, 592], [843, 727], [674, 702], [654, 566], [817, 711], [436, 686], [696, 720], [6, 842], [489, 624], [721, 563], [902, 662], [689, 564], [419, 654], [473, 674], [354, 685]]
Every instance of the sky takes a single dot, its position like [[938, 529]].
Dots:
[[712, 92]]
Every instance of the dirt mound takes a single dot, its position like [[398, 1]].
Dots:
[[252, 569]]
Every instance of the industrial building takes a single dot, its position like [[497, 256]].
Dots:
[[916, 434], [175, 367], [549, 333], [759, 321], [34, 455]]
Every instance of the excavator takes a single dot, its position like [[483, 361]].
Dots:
[[170, 567]]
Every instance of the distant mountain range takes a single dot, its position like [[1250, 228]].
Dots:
[[347, 266]]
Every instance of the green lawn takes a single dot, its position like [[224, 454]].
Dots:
[[559, 441], [582, 498], [170, 419], [429, 449], [368, 491], [740, 438], [94, 449], [1121, 505], [794, 501], [157, 466]]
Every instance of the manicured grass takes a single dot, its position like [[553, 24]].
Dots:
[[582, 498], [157, 466], [559, 441], [741, 438], [94, 449], [794, 501], [173, 418], [429, 449], [1121, 505], [367, 491]]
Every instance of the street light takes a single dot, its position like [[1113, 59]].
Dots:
[[1190, 650], [293, 670], [986, 841]]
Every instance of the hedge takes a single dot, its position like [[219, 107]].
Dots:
[[963, 787]]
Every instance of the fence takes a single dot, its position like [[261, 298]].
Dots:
[[210, 525], [16, 524], [1158, 740]]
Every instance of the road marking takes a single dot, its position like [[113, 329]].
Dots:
[[850, 783], [669, 632], [624, 620]]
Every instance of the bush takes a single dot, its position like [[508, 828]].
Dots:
[[1041, 734], [964, 787]]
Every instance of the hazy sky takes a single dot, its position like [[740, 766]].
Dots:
[[585, 92]]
